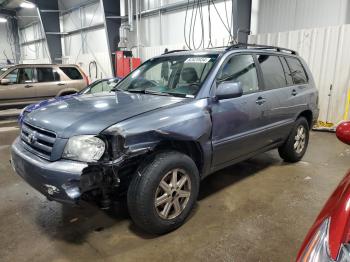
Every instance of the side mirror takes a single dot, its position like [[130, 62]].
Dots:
[[5, 81], [228, 90], [343, 132]]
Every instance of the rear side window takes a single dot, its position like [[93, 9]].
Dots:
[[241, 68], [72, 73], [272, 70], [297, 71], [46, 74]]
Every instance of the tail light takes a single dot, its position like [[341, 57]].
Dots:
[[86, 78]]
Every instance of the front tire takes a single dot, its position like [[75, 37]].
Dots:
[[163, 193], [296, 144]]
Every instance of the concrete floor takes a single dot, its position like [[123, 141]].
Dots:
[[258, 210]]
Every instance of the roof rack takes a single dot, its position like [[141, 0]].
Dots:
[[256, 46]]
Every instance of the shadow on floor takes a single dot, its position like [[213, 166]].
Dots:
[[74, 224]]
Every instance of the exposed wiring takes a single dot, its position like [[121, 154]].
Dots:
[[196, 9]]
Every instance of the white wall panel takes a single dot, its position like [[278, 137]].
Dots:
[[37, 52], [88, 45], [92, 15], [6, 45], [286, 15], [91, 46], [326, 51], [71, 21], [169, 29]]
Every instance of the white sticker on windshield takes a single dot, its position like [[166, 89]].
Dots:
[[198, 60]]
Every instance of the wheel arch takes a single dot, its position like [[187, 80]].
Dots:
[[191, 148], [65, 92], [308, 115]]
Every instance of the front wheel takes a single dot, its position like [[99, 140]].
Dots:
[[163, 193], [296, 144]]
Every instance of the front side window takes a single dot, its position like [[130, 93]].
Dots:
[[12, 76], [272, 71], [20, 76], [25, 75], [297, 71], [172, 75], [242, 69]]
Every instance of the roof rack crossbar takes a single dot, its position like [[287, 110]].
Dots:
[[256, 46]]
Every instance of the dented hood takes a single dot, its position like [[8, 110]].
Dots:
[[91, 114]]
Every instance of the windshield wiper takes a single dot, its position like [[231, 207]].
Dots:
[[146, 91], [176, 94], [152, 92]]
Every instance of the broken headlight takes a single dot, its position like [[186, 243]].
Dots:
[[86, 148]]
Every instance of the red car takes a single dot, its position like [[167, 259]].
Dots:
[[329, 237]]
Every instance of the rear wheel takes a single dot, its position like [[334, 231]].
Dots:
[[163, 193], [296, 144]]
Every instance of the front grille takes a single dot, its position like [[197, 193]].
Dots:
[[37, 140]]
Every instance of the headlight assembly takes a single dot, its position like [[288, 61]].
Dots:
[[318, 248], [85, 148]]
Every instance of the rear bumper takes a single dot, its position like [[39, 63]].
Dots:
[[57, 180]]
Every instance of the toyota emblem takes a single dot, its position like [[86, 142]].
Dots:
[[32, 138]]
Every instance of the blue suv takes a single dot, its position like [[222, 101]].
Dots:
[[176, 119]]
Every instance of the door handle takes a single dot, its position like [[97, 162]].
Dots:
[[260, 100], [294, 92], [61, 84], [28, 86]]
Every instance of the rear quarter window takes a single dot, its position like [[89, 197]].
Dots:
[[297, 71], [72, 73]]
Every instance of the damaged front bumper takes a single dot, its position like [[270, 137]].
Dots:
[[59, 180]]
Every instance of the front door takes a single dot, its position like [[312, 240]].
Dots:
[[19, 85], [238, 122]]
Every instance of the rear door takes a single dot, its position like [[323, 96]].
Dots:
[[20, 85], [237, 122], [48, 82], [275, 94]]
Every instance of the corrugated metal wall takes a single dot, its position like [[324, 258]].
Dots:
[[326, 51], [287, 15], [34, 47], [89, 45]]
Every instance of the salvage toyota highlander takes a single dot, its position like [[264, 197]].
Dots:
[[176, 119]]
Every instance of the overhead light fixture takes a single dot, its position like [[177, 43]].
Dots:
[[3, 20], [26, 4]]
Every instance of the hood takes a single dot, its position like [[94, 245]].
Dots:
[[32, 107], [91, 114]]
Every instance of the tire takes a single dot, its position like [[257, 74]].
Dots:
[[292, 151], [145, 188]]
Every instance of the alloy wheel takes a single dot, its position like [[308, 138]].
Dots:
[[300, 139], [172, 194]]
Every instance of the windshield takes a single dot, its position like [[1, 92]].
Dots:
[[176, 75]]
